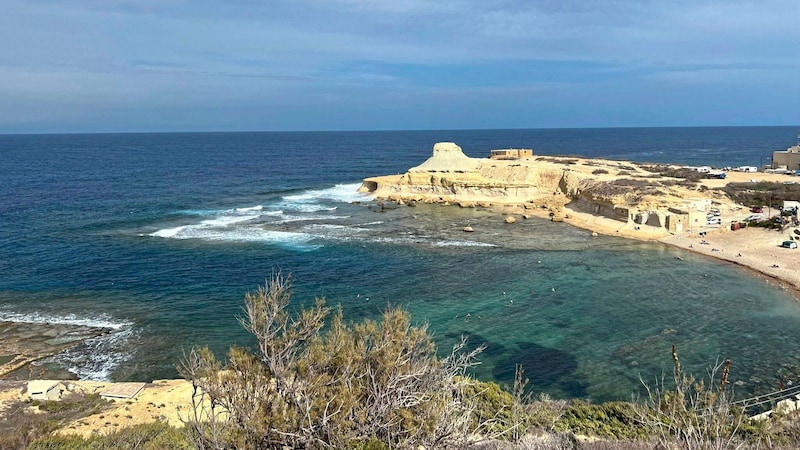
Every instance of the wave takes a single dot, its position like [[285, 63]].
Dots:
[[232, 224], [95, 358], [240, 234], [462, 244], [250, 209], [287, 218], [224, 221], [309, 207], [197, 230], [100, 321], [344, 193]]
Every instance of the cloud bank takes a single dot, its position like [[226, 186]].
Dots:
[[118, 65]]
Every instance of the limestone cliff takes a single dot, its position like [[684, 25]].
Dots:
[[451, 176], [620, 190]]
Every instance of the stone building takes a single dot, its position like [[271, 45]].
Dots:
[[512, 153], [787, 159]]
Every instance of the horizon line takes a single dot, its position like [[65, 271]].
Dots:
[[76, 133]]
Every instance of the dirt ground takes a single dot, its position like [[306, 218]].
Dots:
[[161, 400]]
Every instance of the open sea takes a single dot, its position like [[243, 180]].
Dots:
[[159, 236]]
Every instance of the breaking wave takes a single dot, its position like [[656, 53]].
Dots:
[[95, 358]]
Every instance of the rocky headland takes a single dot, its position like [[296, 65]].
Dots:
[[620, 190]]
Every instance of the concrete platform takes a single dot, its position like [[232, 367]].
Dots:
[[123, 390]]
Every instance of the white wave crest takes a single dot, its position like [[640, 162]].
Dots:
[[249, 209], [192, 231], [288, 218], [224, 221], [462, 244], [93, 359], [310, 207], [98, 321], [97, 358], [344, 193], [168, 232]]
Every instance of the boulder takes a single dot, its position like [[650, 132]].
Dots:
[[510, 219], [469, 229]]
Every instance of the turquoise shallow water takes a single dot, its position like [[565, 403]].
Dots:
[[159, 236]]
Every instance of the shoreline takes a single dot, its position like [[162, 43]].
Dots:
[[754, 249]]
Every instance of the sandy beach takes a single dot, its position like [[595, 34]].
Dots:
[[755, 248]]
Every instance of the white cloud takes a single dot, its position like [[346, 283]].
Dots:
[[153, 53]]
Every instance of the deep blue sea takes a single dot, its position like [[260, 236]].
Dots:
[[160, 235]]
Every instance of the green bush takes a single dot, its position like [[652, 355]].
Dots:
[[57, 442], [148, 436], [491, 406], [615, 420]]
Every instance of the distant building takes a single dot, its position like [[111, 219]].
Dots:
[[787, 159], [679, 220], [512, 153]]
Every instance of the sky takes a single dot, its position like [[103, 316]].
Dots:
[[301, 65]]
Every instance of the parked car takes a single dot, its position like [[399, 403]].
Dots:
[[789, 244], [757, 209], [753, 217]]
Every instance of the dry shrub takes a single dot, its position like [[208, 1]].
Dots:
[[356, 383], [695, 414]]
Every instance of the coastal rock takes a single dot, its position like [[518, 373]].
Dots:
[[571, 184], [448, 158], [526, 216], [469, 229], [510, 219]]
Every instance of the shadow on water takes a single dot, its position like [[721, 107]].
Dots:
[[547, 369]]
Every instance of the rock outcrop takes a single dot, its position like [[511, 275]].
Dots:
[[618, 190], [451, 176]]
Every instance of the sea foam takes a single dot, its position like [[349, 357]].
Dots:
[[344, 193], [93, 359]]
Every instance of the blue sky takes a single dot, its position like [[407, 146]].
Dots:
[[171, 65]]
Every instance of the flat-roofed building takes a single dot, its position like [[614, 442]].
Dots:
[[787, 159], [512, 153]]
